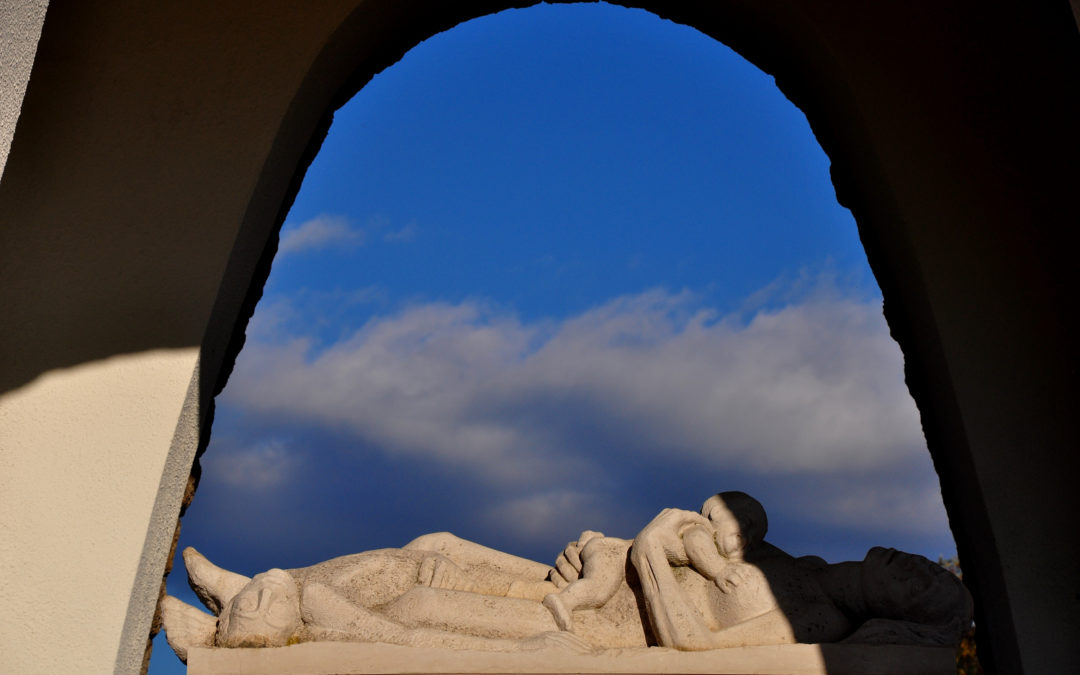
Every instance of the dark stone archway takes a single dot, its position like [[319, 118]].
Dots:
[[160, 147]]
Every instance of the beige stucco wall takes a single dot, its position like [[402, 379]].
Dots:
[[82, 459]]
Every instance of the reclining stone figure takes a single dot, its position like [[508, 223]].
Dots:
[[688, 581]]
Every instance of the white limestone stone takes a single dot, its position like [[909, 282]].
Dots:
[[688, 582], [323, 658]]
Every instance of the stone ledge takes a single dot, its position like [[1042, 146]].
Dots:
[[325, 658]]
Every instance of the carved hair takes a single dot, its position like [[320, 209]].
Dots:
[[748, 512]]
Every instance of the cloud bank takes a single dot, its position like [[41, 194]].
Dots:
[[550, 419], [806, 388]]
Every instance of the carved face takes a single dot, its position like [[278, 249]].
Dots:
[[729, 536], [905, 586], [739, 521], [265, 613]]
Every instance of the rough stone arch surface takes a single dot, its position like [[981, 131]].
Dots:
[[158, 148]]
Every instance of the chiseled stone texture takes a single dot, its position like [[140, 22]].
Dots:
[[322, 658], [703, 581]]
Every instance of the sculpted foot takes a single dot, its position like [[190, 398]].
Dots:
[[563, 619], [186, 626], [213, 585]]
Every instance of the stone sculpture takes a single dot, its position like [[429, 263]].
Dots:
[[689, 581]]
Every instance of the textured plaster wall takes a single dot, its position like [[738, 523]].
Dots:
[[20, 28], [79, 476]]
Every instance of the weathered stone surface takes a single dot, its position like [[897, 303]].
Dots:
[[322, 658], [689, 581]]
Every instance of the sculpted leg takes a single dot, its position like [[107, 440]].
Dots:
[[470, 613], [674, 620], [329, 616], [213, 585], [490, 570]]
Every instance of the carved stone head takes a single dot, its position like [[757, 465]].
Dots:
[[905, 586], [739, 519], [264, 613]]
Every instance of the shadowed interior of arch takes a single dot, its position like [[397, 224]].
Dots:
[[559, 269]]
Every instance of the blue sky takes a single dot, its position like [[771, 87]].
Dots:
[[556, 270]]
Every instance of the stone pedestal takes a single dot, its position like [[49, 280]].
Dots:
[[324, 658]]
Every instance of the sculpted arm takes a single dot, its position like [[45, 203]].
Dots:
[[702, 552], [675, 621], [470, 554]]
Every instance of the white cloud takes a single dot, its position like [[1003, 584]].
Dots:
[[319, 233], [261, 467], [812, 388], [809, 387]]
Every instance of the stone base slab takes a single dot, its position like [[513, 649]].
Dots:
[[325, 658]]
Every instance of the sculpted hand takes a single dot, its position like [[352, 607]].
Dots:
[[665, 533], [732, 577], [568, 564], [440, 572]]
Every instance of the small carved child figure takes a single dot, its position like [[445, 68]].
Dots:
[[736, 523], [602, 567]]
